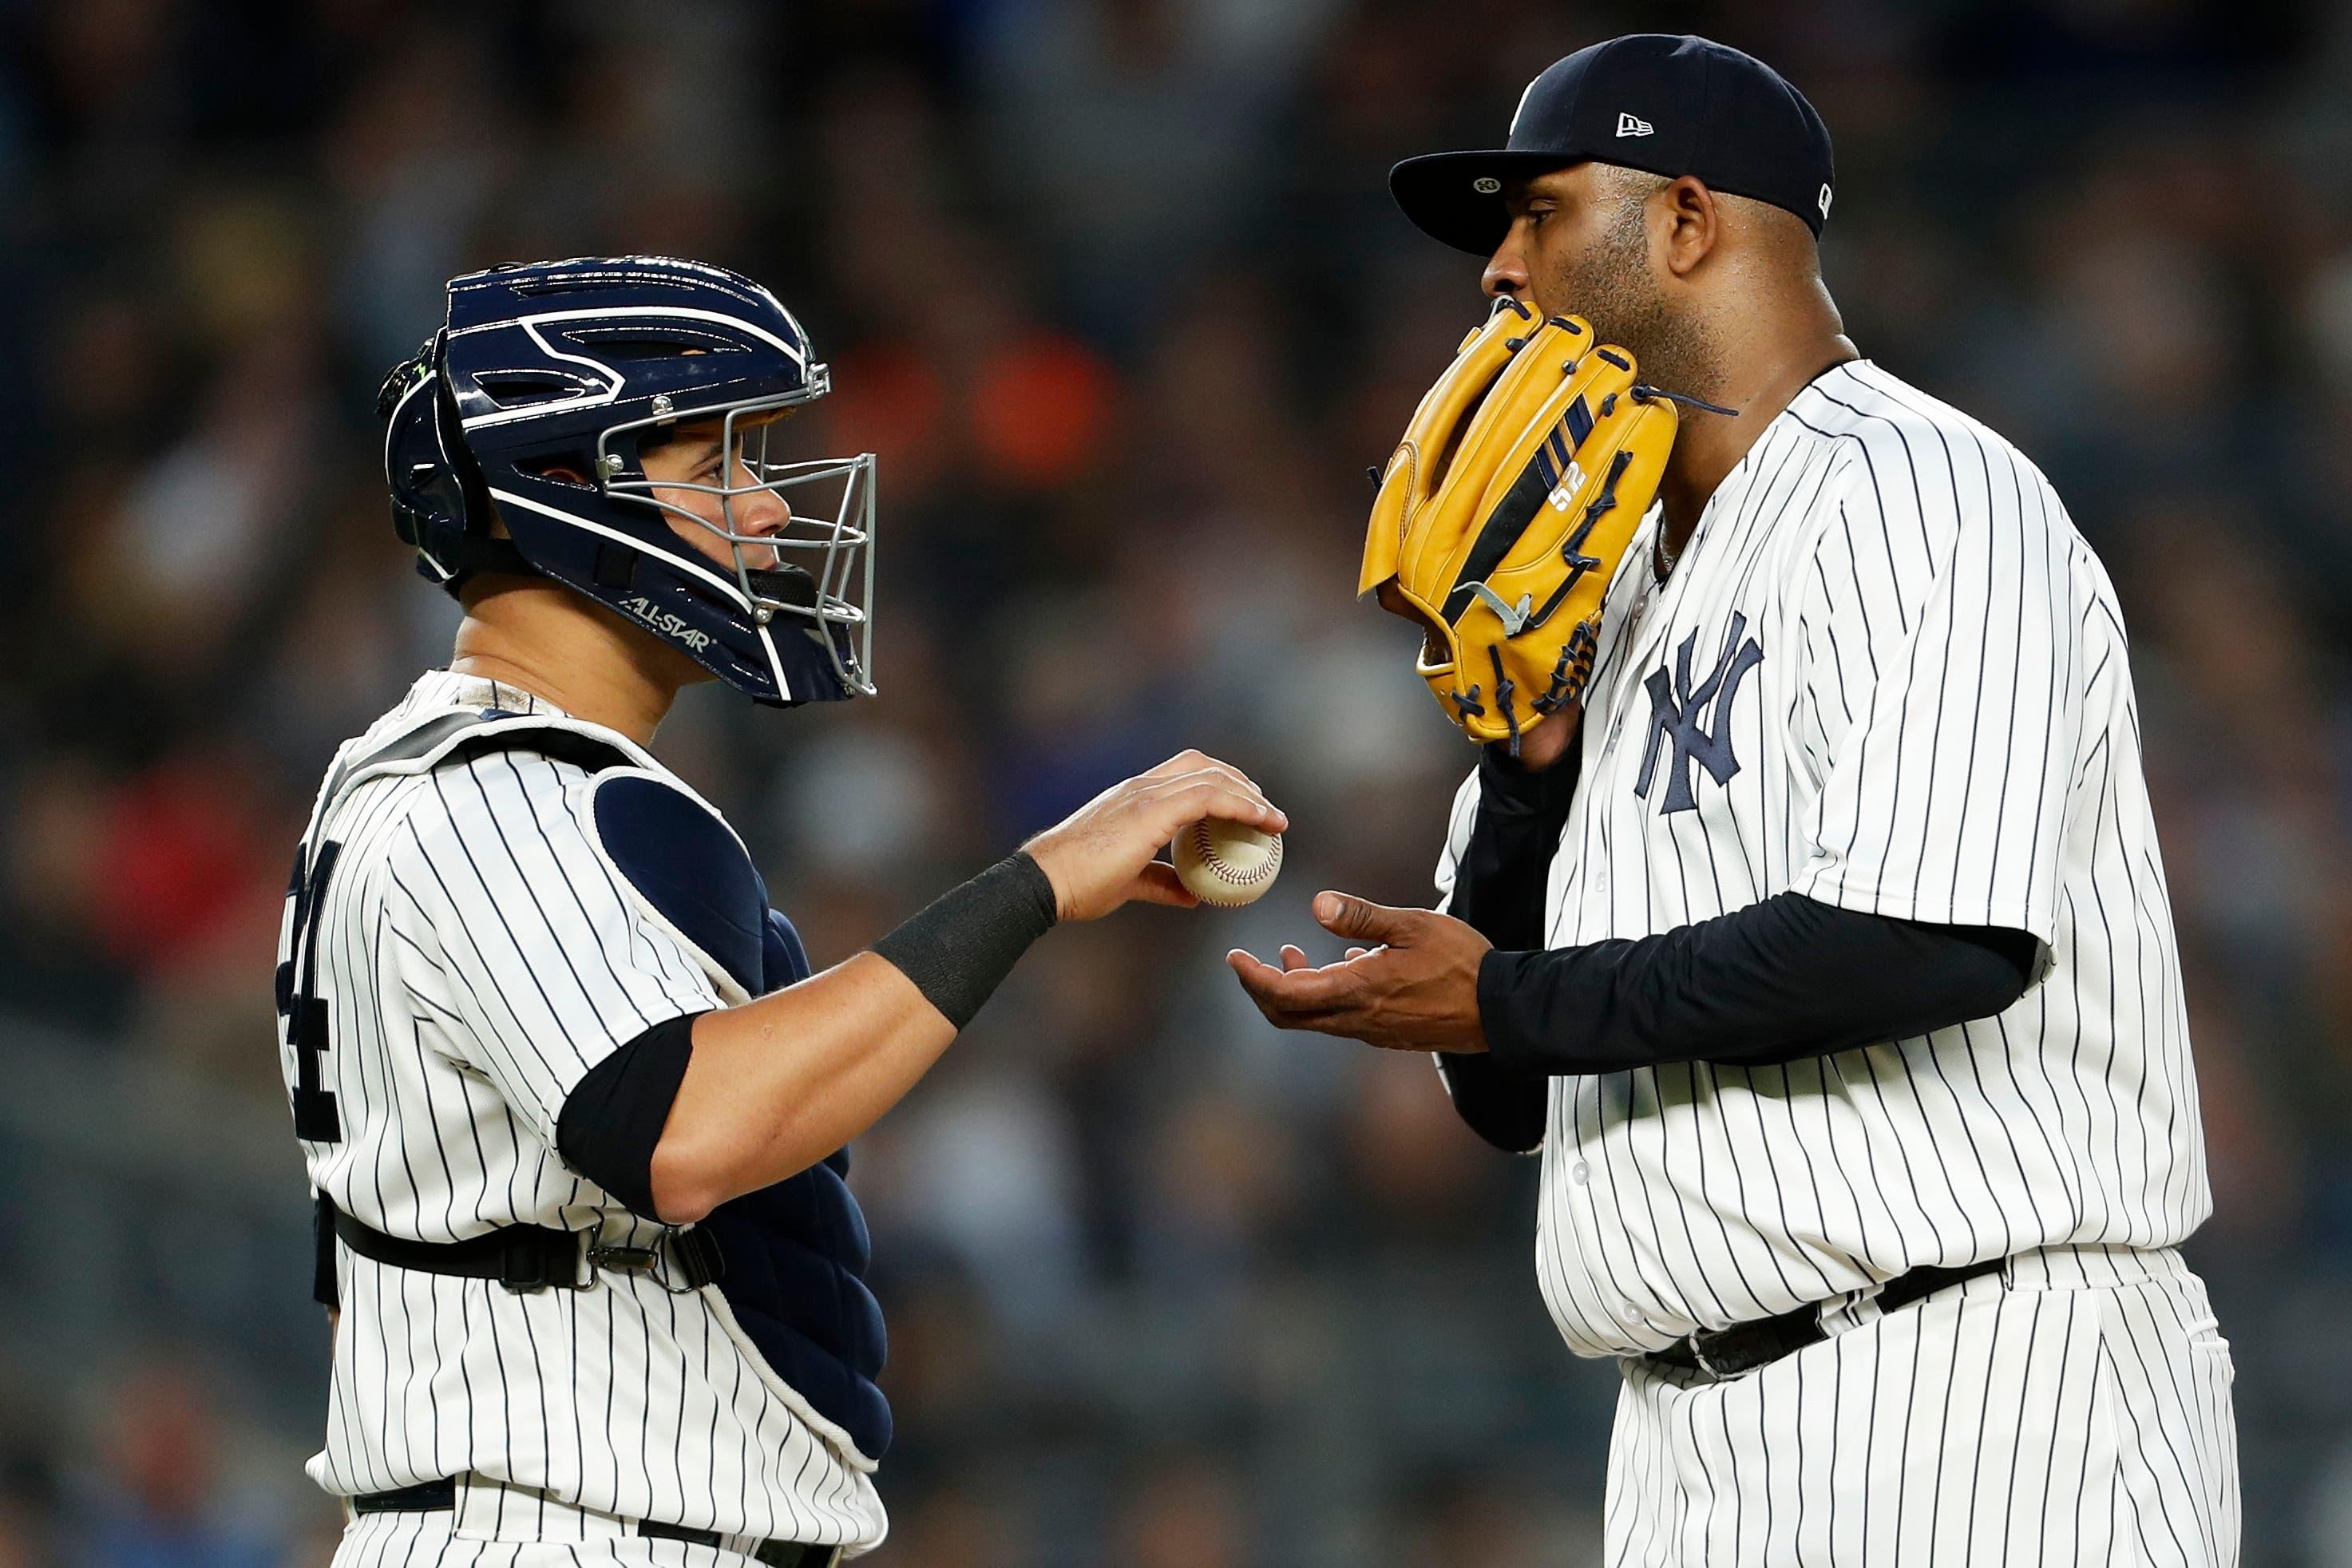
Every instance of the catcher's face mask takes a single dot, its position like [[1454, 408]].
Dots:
[[808, 560], [1506, 510]]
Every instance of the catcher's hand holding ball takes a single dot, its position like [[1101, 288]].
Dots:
[[1106, 852]]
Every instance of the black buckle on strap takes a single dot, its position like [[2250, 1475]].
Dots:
[[518, 1256], [679, 1262], [535, 1259]]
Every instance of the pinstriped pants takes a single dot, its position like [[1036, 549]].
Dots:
[[2073, 1409]]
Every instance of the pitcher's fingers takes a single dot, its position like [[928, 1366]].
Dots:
[[1297, 994], [1293, 957], [1241, 961]]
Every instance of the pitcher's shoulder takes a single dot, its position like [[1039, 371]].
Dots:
[[1920, 469]]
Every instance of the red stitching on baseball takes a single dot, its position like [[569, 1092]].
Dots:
[[1204, 847]]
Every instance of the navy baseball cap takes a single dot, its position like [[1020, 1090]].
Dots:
[[1670, 105]]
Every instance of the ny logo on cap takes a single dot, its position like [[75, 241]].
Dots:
[[1634, 125], [1825, 201]]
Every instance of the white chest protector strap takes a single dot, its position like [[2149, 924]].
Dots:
[[449, 737]]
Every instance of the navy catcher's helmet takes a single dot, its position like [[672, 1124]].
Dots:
[[535, 403]]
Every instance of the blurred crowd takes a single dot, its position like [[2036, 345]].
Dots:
[[1115, 290]]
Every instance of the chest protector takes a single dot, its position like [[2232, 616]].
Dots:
[[790, 1259]]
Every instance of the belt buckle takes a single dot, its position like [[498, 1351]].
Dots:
[[1699, 1354]]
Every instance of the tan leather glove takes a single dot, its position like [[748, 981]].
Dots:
[[1506, 511]]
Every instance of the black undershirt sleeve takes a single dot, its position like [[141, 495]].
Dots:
[[612, 1119], [1787, 978], [1498, 891]]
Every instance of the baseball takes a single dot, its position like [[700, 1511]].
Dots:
[[1225, 863]]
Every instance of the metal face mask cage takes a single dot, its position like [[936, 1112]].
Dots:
[[818, 567]]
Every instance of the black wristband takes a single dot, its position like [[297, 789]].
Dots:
[[960, 947]]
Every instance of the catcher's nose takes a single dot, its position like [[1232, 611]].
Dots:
[[760, 512]]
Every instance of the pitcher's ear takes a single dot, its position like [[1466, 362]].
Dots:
[[1695, 223]]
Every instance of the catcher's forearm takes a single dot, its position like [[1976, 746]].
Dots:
[[777, 1084], [707, 1106], [1787, 978]]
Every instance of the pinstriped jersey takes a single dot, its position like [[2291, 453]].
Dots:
[[1888, 674], [475, 955]]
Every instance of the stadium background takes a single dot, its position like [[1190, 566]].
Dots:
[[1115, 289]]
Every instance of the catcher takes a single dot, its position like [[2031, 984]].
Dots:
[[573, 1103], [1805, 906]]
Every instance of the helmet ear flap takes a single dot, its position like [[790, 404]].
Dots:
[[473, 494], [440, 504]]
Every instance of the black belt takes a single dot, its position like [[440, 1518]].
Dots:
[[538, 1257], [1744, 1347], [434, 1497]]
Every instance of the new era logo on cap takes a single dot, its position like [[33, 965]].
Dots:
[[1634, 125]]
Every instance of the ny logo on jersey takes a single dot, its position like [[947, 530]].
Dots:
[[1678, 707]]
